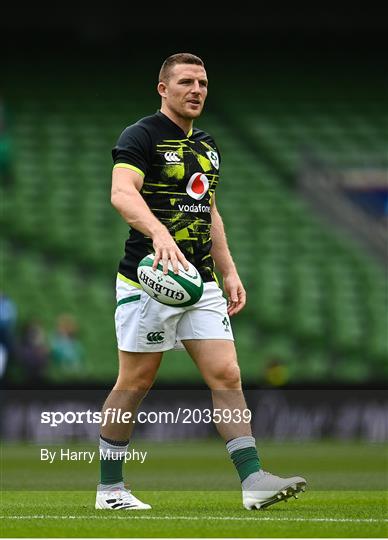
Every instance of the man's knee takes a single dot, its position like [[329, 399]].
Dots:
[[227, 376], [137, 371], [140, 386], [139, 380]]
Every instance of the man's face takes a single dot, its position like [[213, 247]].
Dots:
[[185, 91]]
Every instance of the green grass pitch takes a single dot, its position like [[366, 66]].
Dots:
[[193, 489]]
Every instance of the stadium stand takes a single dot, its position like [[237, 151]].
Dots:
[[317, 302]]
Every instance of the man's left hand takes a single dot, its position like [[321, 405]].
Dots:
[[235, 292]]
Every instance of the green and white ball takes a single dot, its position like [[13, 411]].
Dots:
[[181, 290]]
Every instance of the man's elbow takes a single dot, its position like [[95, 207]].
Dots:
[[115, 200]]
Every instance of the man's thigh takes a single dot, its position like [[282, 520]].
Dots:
[[207, 319], [212, 356], [143, 324]]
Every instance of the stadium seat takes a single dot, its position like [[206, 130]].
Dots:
[[316, 302]]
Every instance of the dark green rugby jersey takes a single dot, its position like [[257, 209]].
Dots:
[[180, 176]]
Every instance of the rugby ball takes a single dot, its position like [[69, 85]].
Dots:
[[180, 290]]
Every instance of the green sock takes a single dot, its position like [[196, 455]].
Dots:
[[244, 455], [111, 460]]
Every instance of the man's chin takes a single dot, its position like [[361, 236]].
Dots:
[[194, 113]]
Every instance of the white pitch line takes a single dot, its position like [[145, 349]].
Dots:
[[208, 518]]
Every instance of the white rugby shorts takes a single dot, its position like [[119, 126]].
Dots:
[[145, 325]]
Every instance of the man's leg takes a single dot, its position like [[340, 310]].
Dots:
[[217, 362], [137, 373]]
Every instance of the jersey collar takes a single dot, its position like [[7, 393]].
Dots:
[[167, 120]]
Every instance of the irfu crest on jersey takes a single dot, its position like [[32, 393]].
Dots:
[[213, 156]]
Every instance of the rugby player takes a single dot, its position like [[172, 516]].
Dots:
[[164, 179]]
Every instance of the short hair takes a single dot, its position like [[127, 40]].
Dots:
[[179, 58]]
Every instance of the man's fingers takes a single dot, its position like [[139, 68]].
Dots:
[[237, 300], [182, 259], [156, 259], [165, 261], [177, 258], [242, 296], [174, 262], [174, 255], [233, 296], [233, 309]]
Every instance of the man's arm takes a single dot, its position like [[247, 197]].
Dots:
[[126, 199], [225, 264]]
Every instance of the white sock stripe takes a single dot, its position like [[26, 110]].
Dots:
[[108, 487], [240, 442]]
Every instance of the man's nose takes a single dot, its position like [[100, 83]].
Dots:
[[195, 88]]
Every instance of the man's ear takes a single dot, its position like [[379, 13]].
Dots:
[[162, 89]]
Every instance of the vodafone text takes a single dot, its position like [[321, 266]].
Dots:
[[196, 208]]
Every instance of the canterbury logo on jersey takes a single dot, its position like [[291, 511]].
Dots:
[[155, 337], [197, 186], [172, 157]]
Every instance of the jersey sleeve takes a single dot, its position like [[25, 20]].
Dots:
[[133, 149]]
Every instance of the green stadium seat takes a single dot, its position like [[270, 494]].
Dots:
[[314, 300]]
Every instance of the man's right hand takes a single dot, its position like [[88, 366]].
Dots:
[[166, 250], [126, 198]]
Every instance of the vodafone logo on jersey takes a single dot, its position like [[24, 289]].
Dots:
[[197, 186]]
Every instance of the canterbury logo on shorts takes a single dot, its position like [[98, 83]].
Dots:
[[155, 337]]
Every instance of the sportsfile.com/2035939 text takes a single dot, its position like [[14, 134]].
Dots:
[[180, 415]]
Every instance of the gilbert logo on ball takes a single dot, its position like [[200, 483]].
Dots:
[[197, 186], [180, 290]]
